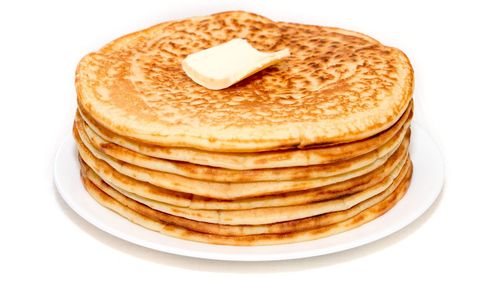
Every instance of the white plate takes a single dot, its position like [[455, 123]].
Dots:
[[425, 187]]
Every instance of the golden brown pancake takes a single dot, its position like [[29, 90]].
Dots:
[[270, 215], [117, 153], [223, 229], [247, 161], [119, 181], [337, 86], [223, 190], [174, 230]]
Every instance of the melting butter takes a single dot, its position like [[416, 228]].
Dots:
[[221, 66]]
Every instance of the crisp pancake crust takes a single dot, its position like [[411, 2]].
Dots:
[[337, 86]]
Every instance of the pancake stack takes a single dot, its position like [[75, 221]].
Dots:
[[312, 146]]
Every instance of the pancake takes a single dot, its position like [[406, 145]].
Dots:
[[249, 240], [337, 86], [224, 190], [247, 161], [271, 214], [207, 173], [121, 182], [221, 229]]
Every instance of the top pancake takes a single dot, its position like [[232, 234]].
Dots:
[[337, 86]]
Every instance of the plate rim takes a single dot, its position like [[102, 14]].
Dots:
[[242, 256]]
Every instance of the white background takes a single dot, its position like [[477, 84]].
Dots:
[[455, 50]]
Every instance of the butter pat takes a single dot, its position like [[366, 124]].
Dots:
[[224, 65]]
